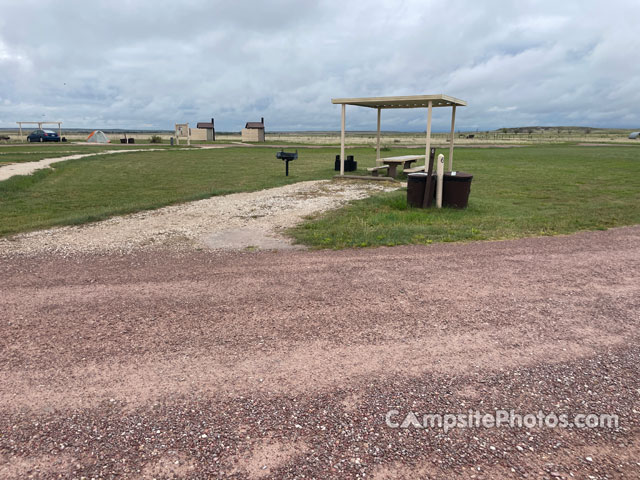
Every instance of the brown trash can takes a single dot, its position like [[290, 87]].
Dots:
[[456, 187], [416, 183]]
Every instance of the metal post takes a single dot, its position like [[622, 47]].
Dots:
[[453, 122], [342, 139], [428, 149], [378, 162]]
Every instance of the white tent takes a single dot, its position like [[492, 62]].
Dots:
[[98, 136]]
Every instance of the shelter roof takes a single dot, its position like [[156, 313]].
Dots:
[[411, 101]]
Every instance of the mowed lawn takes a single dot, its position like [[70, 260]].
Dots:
[[515, 192], [538, 190], [94, 188], [39, 151]]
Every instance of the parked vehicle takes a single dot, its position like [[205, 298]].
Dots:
[[43, 136]]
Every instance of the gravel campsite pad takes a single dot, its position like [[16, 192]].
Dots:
[[239, 221], [175, 363]]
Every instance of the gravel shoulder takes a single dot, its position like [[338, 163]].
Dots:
[[178, 363]]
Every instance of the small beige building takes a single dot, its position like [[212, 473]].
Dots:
[[204, 131], [253, 131]]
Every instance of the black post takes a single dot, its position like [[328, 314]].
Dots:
[[428, 187], [213, 127], [287, 162]]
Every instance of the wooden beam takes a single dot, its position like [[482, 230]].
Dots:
[[427, 150], [378, 141], [342, 122], [453, 123]]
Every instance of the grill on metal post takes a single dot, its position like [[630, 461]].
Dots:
[[287, 157]]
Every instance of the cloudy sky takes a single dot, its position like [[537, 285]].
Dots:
[[150, 64]]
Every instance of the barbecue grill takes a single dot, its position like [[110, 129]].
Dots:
[[287, 157]]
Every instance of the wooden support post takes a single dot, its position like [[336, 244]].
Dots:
[[453, 122], [60, 130], [20, 126], [342, 122], [378, 162], [428, 149]]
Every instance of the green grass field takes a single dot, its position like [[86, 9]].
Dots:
[[33, 153], [537, 190], [515, 192], [95, 188]]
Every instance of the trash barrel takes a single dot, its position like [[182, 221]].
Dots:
[[416, 183], [455, 189], [350, 165]]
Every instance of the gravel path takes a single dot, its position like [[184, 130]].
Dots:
[[27, 168], [207, 364], [237, 221]]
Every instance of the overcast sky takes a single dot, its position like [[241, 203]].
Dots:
[[150, 64]]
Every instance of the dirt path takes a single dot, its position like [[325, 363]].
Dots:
[[285, 364]]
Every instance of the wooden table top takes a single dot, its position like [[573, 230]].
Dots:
[[402, 158]]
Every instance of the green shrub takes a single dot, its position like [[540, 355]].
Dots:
[[155, 139]]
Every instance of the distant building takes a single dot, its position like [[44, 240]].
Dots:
[[634, 135], [204, 131], [253, 131]]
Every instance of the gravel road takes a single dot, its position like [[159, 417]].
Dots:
[[207, 364]]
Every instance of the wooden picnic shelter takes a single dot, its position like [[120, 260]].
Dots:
[[412, 101]]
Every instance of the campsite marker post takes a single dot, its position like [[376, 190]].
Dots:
[[440, 173]]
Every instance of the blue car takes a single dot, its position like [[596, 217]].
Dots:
[[43, 136]]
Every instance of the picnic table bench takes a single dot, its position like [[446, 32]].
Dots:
[[374, 170], [404, 160]]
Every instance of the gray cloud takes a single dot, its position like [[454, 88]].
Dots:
[[111, 64]]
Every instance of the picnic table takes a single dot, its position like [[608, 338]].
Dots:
[[404, 160]]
